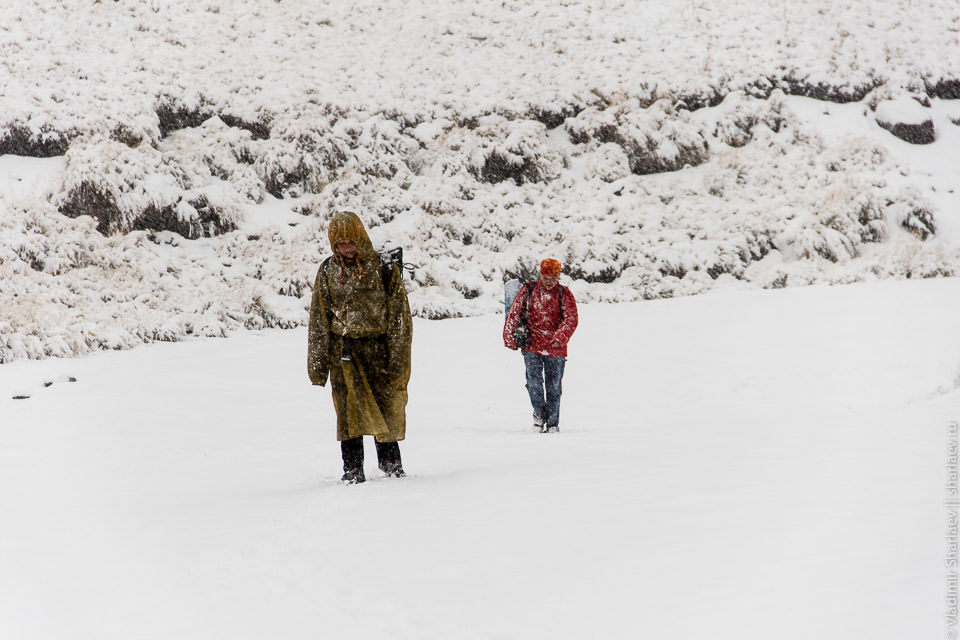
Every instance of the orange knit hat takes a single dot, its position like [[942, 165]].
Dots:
[[550, 268]]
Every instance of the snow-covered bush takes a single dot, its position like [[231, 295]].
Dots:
[[654, 139], [128, 188], [214, 152], [608, 162], [299, 159], [494, 149], [307, 151], [788, 207], [735, 118], [22, 139]]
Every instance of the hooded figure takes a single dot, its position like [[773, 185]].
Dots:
[[359, 335]]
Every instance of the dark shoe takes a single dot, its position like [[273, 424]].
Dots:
[[388, 459], [393, 470], [353, 476], [551, 430]]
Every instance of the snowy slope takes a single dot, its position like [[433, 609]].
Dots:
[[820, 199], [74, 65], [733, 465], [658, 149]]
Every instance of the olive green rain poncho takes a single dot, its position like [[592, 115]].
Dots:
[[350, 300]]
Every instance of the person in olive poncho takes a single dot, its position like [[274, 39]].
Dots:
[[359, 335]]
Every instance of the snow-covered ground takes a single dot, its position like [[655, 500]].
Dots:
[[740, 464]]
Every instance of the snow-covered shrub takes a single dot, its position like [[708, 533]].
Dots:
[[735, 118], [789, 207], [185, 110], [554, 111], [307, 150], [837, 228], [69, 290], [596, 125], [608, 162], [655, 139], [496, 150], [215, 152], [115, 184], [137, 188], [914, 215], [26, 139], [376, 200], [377, 146], [298, 157], [947, 88], [49, 244]]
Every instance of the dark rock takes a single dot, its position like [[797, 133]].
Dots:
[[922, 133], [945, 89], [826, 92]]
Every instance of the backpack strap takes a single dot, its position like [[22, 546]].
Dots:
[[324, 266], [528, 289]]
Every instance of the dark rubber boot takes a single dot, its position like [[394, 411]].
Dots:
[[352, 452], [353, 476], [388, 454]]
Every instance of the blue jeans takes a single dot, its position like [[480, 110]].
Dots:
[[544, 377]]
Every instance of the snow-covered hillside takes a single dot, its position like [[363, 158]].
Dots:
[[733, 465], [170, 166]]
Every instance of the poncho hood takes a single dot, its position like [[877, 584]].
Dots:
[[346, 225]]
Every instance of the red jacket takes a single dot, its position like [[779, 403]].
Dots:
[[543, 319]]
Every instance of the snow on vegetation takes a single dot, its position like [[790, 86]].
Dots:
[[654, 148]]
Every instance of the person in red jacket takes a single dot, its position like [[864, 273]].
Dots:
[[551, 317]]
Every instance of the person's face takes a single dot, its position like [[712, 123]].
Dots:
[[549, 282], [347, 249]]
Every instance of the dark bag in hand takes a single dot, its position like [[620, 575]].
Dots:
[[521, 333]]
